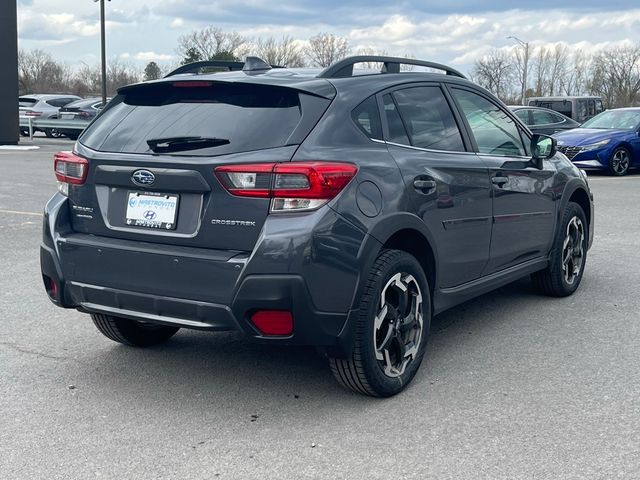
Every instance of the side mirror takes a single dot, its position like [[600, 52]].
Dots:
[[542, 148]]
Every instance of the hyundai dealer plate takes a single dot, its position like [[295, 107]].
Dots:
[[152, 210]]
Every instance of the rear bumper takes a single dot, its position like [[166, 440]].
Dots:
[[186, 287]]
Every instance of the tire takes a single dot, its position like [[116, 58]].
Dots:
[[568, 255], [24, 133], [131, 332], [72, 136], [52, 133], [372, 369], [619, 162]]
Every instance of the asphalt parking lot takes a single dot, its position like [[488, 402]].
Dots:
[[515, 385]]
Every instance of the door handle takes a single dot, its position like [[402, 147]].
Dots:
[[499, 180], [422, 184]]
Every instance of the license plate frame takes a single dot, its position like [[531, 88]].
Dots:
[[152, 210]]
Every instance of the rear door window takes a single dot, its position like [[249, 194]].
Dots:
[[599, 107], [581, 110], [243, 117], [523, 115], [540, 117], [558, 118], [428, 119]]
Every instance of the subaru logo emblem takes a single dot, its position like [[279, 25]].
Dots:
[[150, 215], [143, 177]]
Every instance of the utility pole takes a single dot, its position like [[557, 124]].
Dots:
[[103, 51], [9, 132], [525, 67]]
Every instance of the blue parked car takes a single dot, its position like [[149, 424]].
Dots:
[[609, 141]]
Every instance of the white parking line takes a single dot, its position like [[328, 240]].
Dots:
[[598, 178], [16, 212]]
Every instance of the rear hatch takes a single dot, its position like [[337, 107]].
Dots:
[[26, 104], [153, 150]]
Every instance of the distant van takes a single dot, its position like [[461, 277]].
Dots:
[[580, 109]]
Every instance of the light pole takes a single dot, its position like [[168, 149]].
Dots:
[[103, 52], [524, 45]]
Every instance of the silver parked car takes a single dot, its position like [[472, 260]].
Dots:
[[41, 106]]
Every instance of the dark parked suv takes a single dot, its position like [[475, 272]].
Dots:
[[338, 208]]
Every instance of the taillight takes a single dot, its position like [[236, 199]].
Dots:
[[251, 180], [294, 186], [32, 113], [70, 169]]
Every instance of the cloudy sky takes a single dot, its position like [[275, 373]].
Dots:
[[450, 31]]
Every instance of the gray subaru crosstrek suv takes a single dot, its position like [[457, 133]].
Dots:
[[340, 208]]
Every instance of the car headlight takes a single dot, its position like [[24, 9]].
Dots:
[[595, 146]]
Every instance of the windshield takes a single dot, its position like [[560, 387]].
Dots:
[[615, 119]]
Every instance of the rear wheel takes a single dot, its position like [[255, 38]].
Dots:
[[52, 133], [131, 332], [391, 329], [620, 162], [566, 263]]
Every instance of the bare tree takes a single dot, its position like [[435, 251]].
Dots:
[[541, 67], [211, 43], [285, 52], [495, 72], [558, 71], [325, 49], [521, 65], [39, 72], [616, 76], [576, 79]]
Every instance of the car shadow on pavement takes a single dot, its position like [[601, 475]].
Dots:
[[202, 367]]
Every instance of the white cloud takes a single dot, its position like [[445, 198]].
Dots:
[[152, 56], [54, 26], [177, 23]]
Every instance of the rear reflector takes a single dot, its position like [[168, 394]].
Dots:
[[293, 186], [273, 322], [50, 286], [70, 168]]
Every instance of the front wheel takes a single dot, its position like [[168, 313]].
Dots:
[[391, 329], [568, 256], [131, 332], [620, 162]]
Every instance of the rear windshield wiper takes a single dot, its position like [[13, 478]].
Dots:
[[181, 144]]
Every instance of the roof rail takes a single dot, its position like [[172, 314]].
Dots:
[[252, 64], [344, 68]]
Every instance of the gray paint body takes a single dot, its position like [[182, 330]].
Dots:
[[478, 236]]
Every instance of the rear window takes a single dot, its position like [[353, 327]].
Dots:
[[246, 117], [27, 101]]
